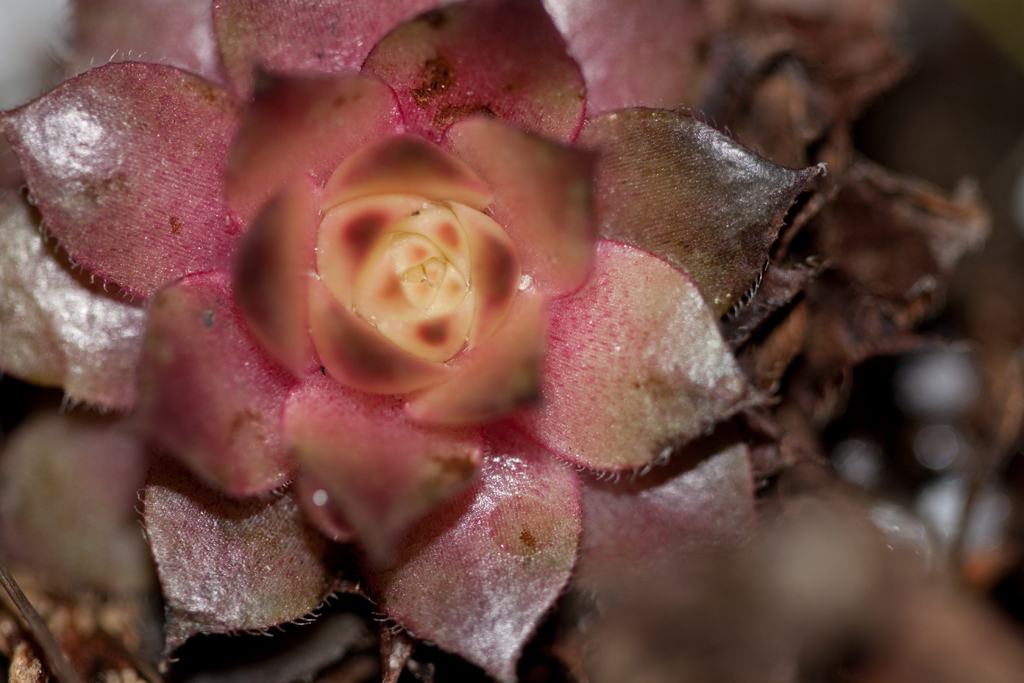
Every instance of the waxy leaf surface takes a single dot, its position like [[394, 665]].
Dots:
[[635, 366], [125, 163], [68, 493], [302, 126], [56, 328], [680, 189], [378, 470], [633, 53], [209, 394], [303, 37], [480, 571], [172, 32], [637, 527], [499, 58], [230, 565]]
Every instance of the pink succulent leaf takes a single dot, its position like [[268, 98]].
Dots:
[[634, 528], [502, 58], [53, 468], [410, 165], [480, 571], [635, 366], [172, 32], [272, 271], [633, 53], [680, 189], [379, 472], [304, 126], [230, 565], [209, 394], [542, 198], [357, 355], [491, 380], [56, 328], [303, 36], [125, 163]]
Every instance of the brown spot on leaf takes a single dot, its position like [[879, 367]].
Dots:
[[362, 232], [391, 289], [449, 235], [528, 540], [115, 184], [413, 155], [436, 76], [241, 421], [435, 18], [458, 468], [433, 332], [497, 269], [175, 225], [450, 113]]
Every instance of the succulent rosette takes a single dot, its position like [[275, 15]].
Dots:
[[415, 263]]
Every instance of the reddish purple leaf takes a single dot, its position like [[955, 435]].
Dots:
[[172, 32], [635, 367], [680, 189], [633, 53], [68, 486], [501, 58], [125, 163], [272, 270], [641, 527], [209, 393], [304, 36], [56, 329], [542, 198], [480, 572], [304, 126], [378, 471], [230, 565]]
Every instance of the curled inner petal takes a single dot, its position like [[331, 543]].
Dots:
[[402, 264]]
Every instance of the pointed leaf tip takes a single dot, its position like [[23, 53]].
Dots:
[[676, 187], [479, 573]]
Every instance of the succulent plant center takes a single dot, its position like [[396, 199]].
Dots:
[[401, 263]]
